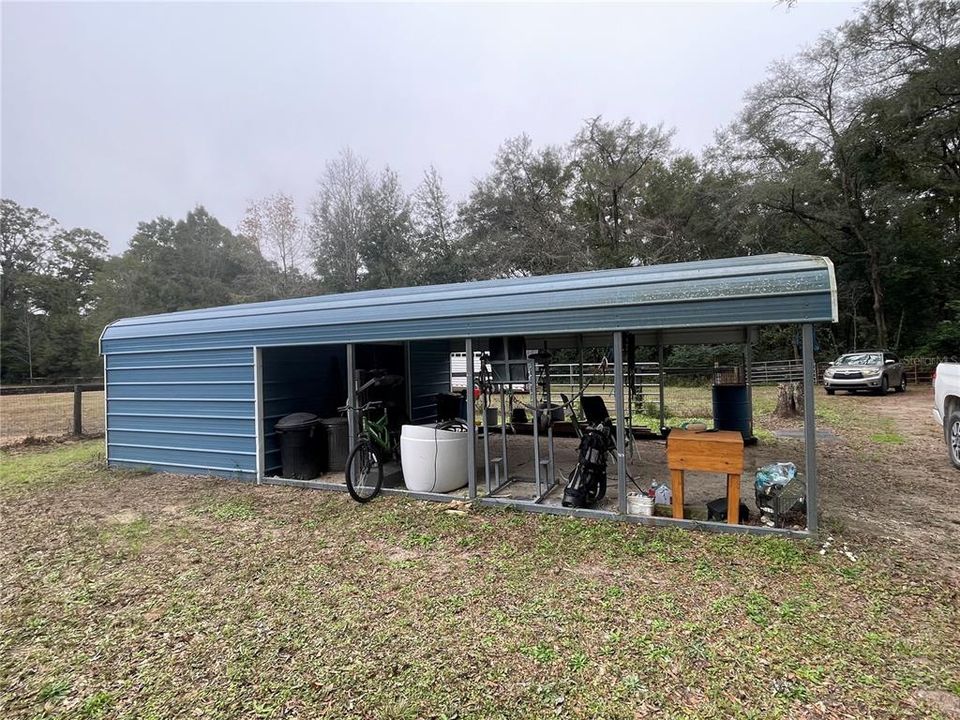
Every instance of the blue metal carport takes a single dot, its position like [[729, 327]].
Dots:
[[195, 391]]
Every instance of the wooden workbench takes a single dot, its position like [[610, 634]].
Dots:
[[719, 452]]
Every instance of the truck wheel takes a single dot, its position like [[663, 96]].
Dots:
[[951, 432], [830, 391], [902, 387]]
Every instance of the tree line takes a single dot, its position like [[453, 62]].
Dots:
[[849, 149]]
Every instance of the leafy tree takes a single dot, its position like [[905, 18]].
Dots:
[[518, 219], [437, 249], [386, 234], [337, 222], [613, 163], [273, 224], [806, 140], [180, 265], [47, 298]]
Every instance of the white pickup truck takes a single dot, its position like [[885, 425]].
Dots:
[[946, 407]]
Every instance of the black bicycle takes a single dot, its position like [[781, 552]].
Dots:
[[376, 444]]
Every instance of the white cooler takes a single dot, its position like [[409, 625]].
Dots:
[[433, 460]]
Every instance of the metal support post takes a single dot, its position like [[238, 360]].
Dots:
[[660, 381], [748, 375], [352, 392], [618, 402], [471, 425], [258, 411], [532, 372], [809, 427], [484, 405], [580, 363], [551, 475], [503, 435]]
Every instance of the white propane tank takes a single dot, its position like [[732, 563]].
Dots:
[[433, 460]]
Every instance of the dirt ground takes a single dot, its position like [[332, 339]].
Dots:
[[888, 478]]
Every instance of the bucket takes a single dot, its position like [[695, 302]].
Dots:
[[638, 504]]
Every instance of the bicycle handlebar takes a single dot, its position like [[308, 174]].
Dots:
[[372, 405]]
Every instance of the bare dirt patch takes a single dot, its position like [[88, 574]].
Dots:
[[889, 478]]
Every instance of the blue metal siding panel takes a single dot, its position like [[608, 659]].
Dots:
[[182, 416], [184, 424], [203, 459], [187, 469], [184, 390], [174, 357], [742, 291], [159, 373], [176, 407], [183, 440], [429, 374]]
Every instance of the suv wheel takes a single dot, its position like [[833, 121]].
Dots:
[[902, 387], [884, 386], [951, 431]]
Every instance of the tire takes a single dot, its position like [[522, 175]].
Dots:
[[366, 486], [902, 387], [884, 386], [951, 433], [830, 391]]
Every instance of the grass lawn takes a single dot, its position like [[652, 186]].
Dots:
[[131, 595]]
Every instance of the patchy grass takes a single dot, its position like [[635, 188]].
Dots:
[[128, 595], [47, 465], [890, 438]]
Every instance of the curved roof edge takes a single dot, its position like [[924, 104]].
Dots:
[[710, 293]]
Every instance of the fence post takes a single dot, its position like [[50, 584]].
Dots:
[[77, 410]]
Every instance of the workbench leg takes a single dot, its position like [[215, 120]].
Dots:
[[676, 489], [733, 499]]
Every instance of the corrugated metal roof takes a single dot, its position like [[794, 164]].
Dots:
[[757, 290]]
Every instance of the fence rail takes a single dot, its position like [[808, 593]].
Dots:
[[771, 372]]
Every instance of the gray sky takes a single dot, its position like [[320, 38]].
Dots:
[[117, 113]]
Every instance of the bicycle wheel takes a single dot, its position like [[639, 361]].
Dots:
[[364, 473]]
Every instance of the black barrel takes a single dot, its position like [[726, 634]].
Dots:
[[301, 446], [731, 409], [338, 442]]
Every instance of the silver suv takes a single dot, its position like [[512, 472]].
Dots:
[[874, 370]]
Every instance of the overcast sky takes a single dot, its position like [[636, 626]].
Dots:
[[117, 113]]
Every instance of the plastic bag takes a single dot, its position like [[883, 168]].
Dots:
[[774, 475]]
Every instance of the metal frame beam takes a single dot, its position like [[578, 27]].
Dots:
[[621, 423], [258, 412], [471, 424], [352, 392], [810, 428]]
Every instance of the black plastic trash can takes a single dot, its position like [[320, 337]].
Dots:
[[301, 446], [338, 442]]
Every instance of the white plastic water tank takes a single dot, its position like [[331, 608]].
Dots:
[[433, 460]]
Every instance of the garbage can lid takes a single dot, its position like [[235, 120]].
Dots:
[[333, 421], [296, 421]]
